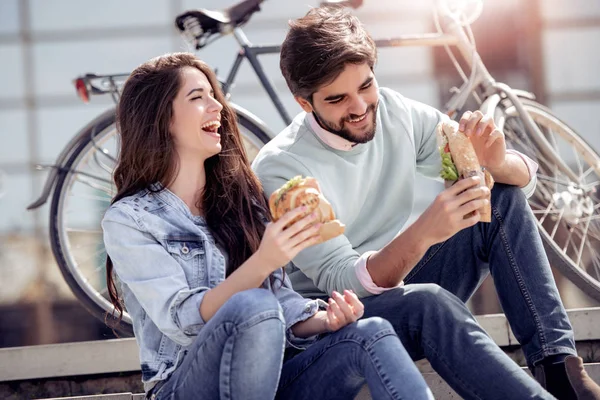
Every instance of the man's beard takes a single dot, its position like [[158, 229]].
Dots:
[[343, 132]]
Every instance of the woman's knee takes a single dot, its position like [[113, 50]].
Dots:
[[252, 305]]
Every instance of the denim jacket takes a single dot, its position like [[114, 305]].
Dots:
[[166, 260]]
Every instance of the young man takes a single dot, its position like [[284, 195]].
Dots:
[[364, 144]]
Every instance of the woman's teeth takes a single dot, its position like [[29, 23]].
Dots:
[[358, 119], [211, 127]]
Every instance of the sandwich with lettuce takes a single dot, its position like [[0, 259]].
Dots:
[[300, 191], [459, 160]]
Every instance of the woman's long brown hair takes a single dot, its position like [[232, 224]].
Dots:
[[232, 200]]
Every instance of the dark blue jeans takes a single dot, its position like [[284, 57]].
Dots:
[[239, 355], [432, 321]]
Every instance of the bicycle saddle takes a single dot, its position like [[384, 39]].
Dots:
[[210, 21]]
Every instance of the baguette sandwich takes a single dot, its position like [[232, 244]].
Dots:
[[459, 160]]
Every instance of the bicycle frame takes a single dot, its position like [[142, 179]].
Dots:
[[251, 52]]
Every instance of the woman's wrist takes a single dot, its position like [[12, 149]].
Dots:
[[261, 265]]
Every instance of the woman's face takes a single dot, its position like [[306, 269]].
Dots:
[[196, 116]]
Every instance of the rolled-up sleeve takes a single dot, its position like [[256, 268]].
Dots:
[[295, 309], [365, 278], [153, 276], [532, 168]]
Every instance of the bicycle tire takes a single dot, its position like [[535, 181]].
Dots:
[[91, 298], [558, 258]]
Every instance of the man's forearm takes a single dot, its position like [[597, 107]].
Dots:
[[390, 265], [514, 171]]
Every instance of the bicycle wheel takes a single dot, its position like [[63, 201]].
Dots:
[[83, 192], [567, 211]]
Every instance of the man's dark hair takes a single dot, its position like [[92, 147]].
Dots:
[[318, 47]]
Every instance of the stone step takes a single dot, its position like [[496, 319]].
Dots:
[[440, 389], [75, 368]]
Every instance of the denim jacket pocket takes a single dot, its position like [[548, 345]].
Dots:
[[190, 254]]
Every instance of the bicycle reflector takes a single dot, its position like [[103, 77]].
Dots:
[[82, 90]]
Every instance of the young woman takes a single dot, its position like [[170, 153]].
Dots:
[[200, 266]]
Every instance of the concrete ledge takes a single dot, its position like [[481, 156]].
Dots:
[[584, 321], [121, 355], [440, 389], [69, 359]]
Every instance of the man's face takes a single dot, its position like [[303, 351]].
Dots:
[[347, 106]]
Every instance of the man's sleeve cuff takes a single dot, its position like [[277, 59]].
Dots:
[[532, 168], [364, 277]]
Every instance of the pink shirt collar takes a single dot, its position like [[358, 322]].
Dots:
[[330, 139]]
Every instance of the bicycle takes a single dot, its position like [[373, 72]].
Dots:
[[565, 201]]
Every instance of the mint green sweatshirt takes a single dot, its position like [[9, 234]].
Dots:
[[370, 187]]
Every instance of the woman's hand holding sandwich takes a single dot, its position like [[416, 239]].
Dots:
[[281, 243]]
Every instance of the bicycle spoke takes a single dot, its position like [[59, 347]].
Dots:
[[593, 255], [557, 224], [586, 173], [583, 241], [544, 212], [538, 156], [104, 151], [595, 259], [106, 168], [92, 255], [532, 203], [547, 211], [106, 189], [553, 180], [591, 218], [579, 165], [588, 186], [569, 240], [90, 175]]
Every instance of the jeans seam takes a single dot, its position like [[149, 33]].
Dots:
[[520, 281], [549, 351], [225, 378], [465, 386], [422, 265], [382, 376]]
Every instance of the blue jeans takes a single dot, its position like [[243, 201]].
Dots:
[[239, 355], [432, 321]]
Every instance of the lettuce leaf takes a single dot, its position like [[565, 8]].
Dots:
[[287, 186], [449, 171]]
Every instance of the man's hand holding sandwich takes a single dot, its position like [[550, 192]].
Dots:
[[485, 159]]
